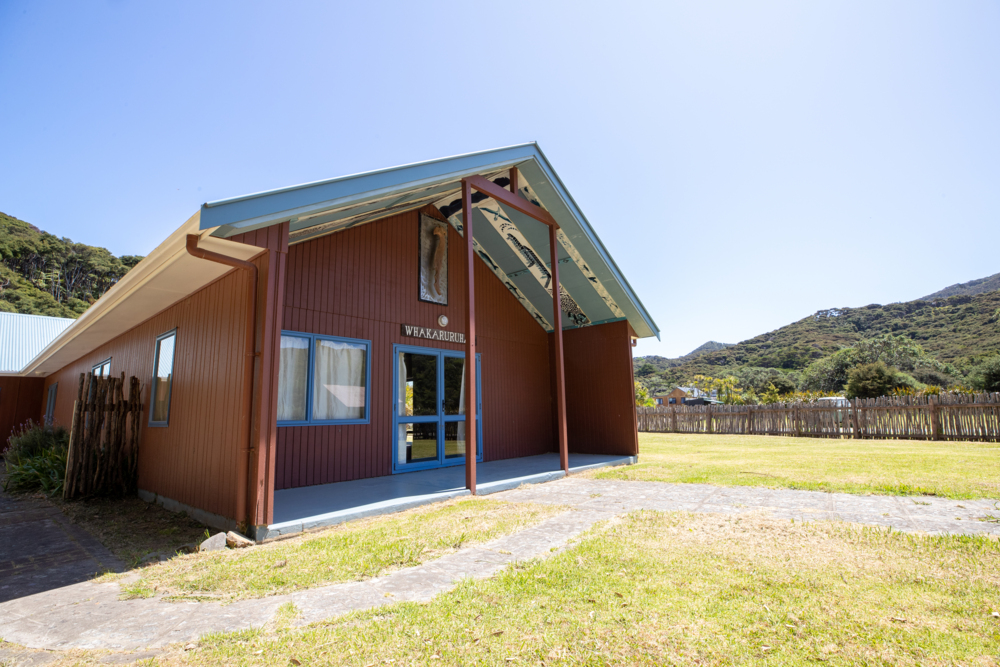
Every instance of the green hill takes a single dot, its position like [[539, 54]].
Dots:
[[958, 331], [42, 274], [970, 288]]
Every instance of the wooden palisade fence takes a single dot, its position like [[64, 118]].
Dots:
[[944, 417], [104, 437]]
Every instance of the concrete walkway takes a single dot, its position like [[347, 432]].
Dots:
[[89, 615]]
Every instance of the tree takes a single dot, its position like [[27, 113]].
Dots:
[[828, 374], [642, 398], [987, 375], [874, 380], [645, 370]]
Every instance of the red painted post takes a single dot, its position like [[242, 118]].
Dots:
[[470, 342], [560, 366]]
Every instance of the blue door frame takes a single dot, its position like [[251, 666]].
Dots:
[[440, 418]]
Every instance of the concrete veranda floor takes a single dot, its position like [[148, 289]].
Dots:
[[309, 507]]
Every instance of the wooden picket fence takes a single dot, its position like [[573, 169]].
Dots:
[[104, 438], [944, 417]]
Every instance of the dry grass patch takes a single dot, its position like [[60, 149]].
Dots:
[[351, 551], [960, 470]]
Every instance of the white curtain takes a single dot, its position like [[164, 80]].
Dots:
[[293, 375], [339, 380]]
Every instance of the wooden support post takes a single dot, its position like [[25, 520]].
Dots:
[[560, 364], [935, 418], [798, 426], [855, 422], [708, 418], [470, 342], [673, 418]]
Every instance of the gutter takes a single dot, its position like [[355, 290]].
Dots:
[[242, 480]]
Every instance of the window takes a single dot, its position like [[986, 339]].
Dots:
[[50, 406], [103, 369], [163, 378], [323, 379]]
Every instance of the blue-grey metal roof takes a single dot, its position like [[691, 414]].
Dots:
[[515, 247], [24, 336]]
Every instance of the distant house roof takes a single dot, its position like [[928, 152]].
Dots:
[[24, 336]]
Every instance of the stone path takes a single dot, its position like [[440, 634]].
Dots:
[[40, 549], [89, 615]]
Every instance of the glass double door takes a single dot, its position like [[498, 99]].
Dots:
[[429, 416]]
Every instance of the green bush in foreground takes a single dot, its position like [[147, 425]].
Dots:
[[36, 458]]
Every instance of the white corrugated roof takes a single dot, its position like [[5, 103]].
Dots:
[[24, 336]]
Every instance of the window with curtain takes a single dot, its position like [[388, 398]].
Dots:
[[293, 378], [163, 376], [323, 379]]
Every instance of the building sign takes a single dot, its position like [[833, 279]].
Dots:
[[411, 331]]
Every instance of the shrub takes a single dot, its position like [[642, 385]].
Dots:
[[874, 380], [36, 458], [986, 377]]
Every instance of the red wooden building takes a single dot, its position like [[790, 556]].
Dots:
[[318, 334]]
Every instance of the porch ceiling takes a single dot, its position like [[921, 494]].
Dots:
[[514, 246]]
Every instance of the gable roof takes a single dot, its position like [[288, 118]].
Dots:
[[512, 245], [24, 336]]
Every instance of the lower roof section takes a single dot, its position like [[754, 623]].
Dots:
[[166, 276]]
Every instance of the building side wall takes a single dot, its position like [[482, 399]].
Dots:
[[20, 400], [600, 395], [362, 283], [192, 460]]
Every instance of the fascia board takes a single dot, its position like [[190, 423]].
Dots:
[[585, 227], [261, 209]]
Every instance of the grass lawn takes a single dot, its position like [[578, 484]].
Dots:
[[960, 470], [668, 588], [351, 551]]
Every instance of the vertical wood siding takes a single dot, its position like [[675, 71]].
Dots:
[[193, 460], [600, 395], [20, 400], [362, 283]]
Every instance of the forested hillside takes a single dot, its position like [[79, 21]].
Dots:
[[959, 332], [42, 274], [970, 288]]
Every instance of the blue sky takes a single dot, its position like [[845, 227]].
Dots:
[[745, 163]]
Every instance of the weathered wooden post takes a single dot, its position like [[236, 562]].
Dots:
[[673, 418], [935, 417], [708, 418], [795, 420]]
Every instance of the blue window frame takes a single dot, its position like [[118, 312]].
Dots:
[[439, 419], [103, 369], [163, 379], [318, 380]]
